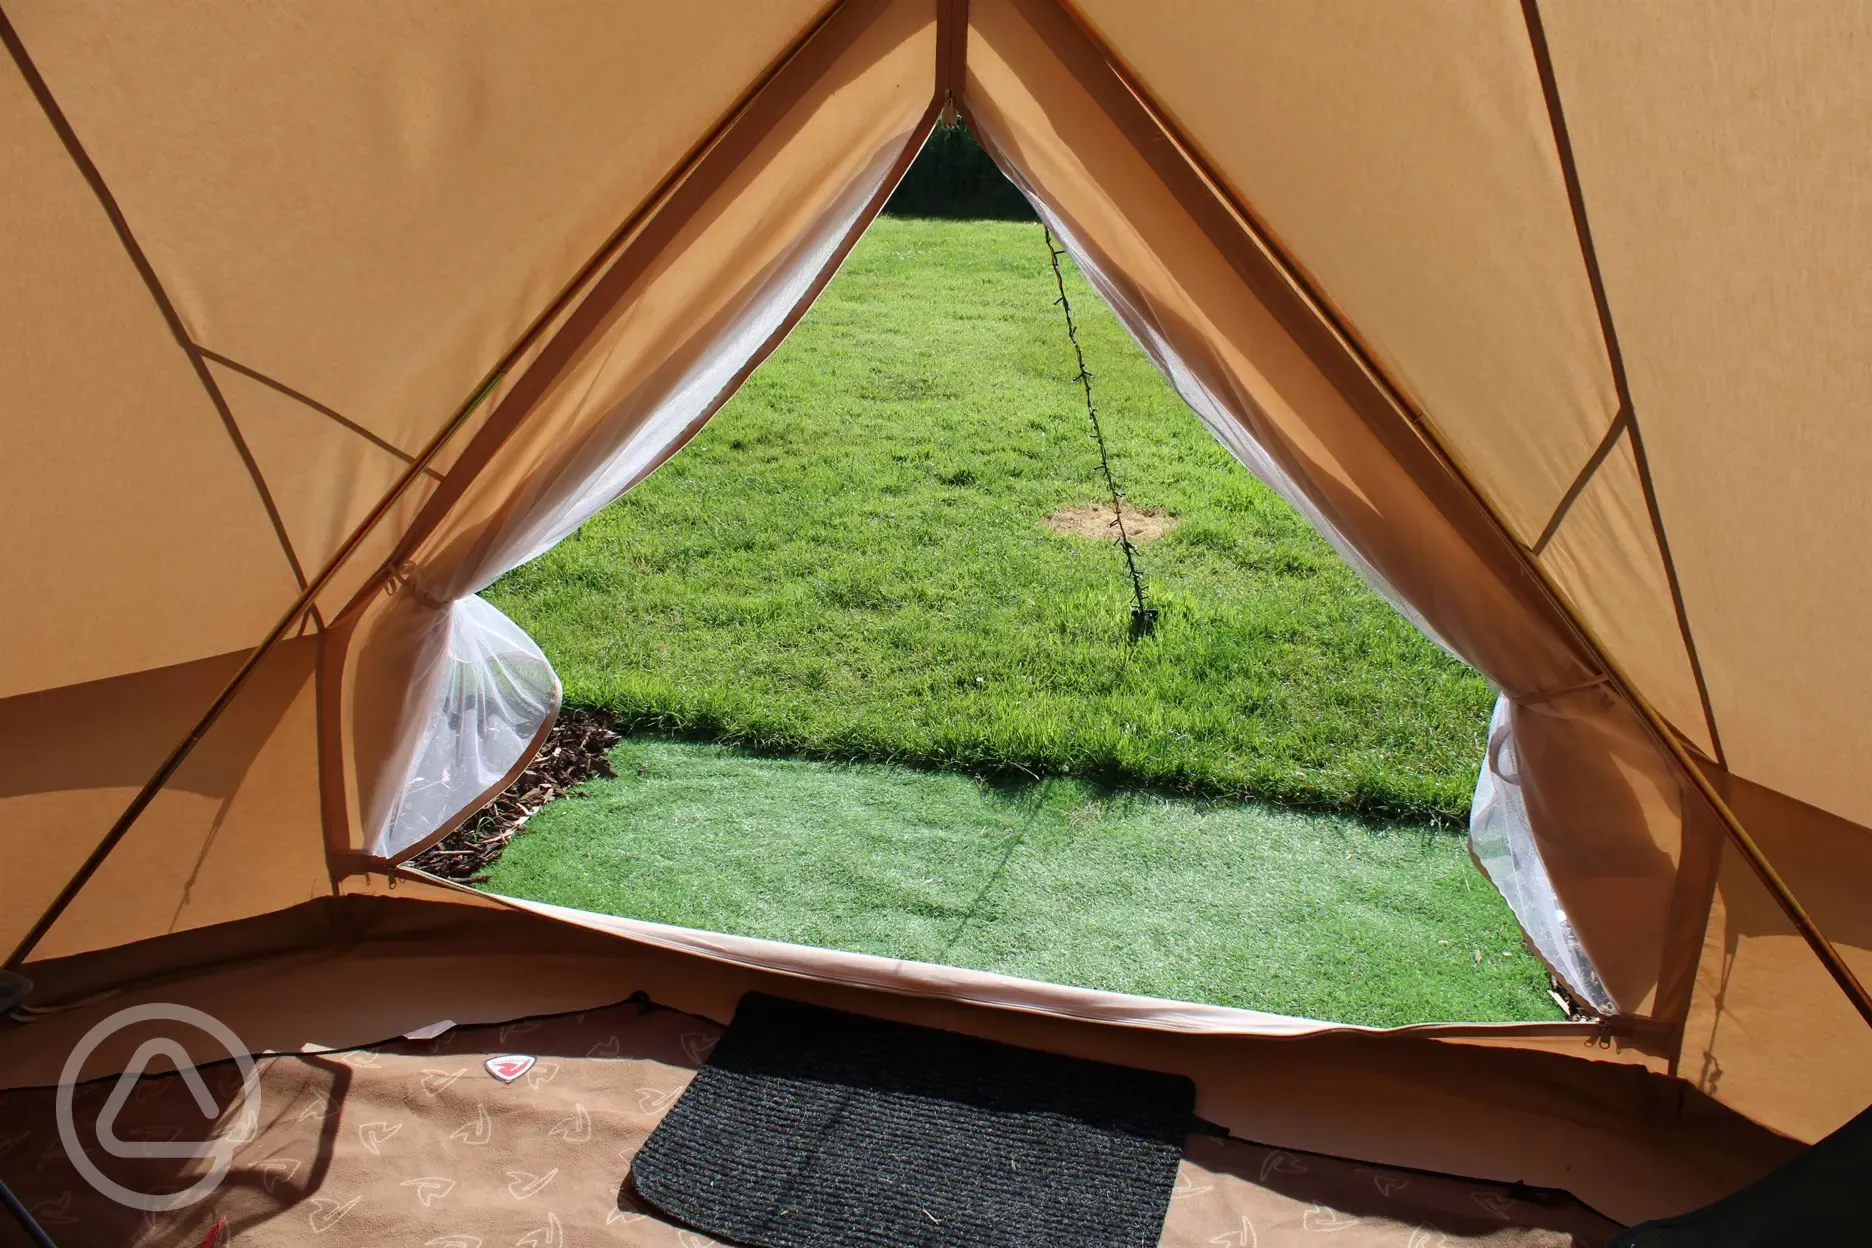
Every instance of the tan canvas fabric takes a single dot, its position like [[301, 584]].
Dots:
[[1720, 154], [149, 544], [236, 833], [1402, 153], [1611, 830], [324, 476], [372, 209], [258, 848], [1769, 1032], [137, 538], [352, 221], [1604, 556], [367, 212]]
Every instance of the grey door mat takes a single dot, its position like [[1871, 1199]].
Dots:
[[810, 1128]]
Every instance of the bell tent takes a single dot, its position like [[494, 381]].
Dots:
[[1550, 316]]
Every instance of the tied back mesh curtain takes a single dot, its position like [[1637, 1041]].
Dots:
[[444, 699], [1502, 840], [1501, 835], [257, 257], [1191, 282]]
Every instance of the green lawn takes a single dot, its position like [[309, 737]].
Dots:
[[1233, 903], [850, 562]]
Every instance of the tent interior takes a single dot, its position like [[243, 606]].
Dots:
[[1543, 316]]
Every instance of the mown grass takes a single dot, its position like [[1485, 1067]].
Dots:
[[1232, 903], [850, 562]]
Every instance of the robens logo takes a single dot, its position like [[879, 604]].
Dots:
[[217, 1150]]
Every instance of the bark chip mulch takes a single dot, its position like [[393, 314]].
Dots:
[[575, 750]]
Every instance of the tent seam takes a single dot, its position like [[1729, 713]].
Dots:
[[1615, 356], [1586, 473], [593, 279], [1677, 598], [873, 208], [951, 51], [87, 168], [281, 387], [323, 696]]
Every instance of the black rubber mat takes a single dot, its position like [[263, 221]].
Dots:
[[810, 1128]]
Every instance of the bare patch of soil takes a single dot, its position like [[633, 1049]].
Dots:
[[575, 750], [1093, 521]]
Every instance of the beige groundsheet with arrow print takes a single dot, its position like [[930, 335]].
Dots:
[[428, 1143]]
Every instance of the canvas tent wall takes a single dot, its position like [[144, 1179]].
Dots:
[[317, 326]]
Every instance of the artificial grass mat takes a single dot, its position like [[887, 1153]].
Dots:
[[851, 561], [1323, 916]]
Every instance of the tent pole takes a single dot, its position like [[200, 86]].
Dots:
[[1658, 727]]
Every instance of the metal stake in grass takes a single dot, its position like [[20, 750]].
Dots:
[[1143, 615]]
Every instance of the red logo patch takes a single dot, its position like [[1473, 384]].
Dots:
[[510, 1066]]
